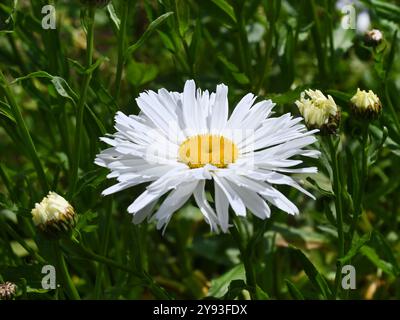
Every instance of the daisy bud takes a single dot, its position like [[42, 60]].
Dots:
[[95, 3], [366, 104], [54, 215], [373, 37], [319, 111], [7, 290]]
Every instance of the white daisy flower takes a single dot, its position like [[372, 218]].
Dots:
[[181, 140]]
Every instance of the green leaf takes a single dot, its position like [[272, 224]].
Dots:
[[150, 29], [355, 248], [7, 15], [140, 73], [219, 286], [293, 291], [342, 96], [315, 277], [59, 84], [261, 294], [383, 247], [240, 77], [372, 256], [113, 16], [6, 111], [81, 69], [226, 7], [235, 288], [392, 53]]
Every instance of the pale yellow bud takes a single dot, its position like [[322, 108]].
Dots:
[[319, 111], [53, 214], [366, 104]]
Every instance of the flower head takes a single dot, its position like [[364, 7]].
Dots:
[[319, 111], [366, 104], [7, 290], [373, 37], [53, 215], [181, 140]]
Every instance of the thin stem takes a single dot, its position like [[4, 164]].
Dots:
[[121, 47], [362, 181], [158, 291], [332, 57], [265, 64], [316, 34], [104, 247], [243, 41], [337, 186], [24, 133], [82, 101], [23, 243], [392, 109], [62, 269], [246, 257]]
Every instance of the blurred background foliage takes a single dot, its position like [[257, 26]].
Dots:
[[273, 48]]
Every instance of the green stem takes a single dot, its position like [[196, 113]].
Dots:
[[392, 109], [246, 257], [158, 291], [362, 181], [82, 101], [332, 57], [104, 247], [243, 41], [23, 243], [265, 64], [337, 188], [121, 47], [316, 34], [62, 270], [24, 133]]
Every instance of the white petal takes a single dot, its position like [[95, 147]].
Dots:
[[240, 111], [189, 107], [234, 200], [219, 111], [222, 207], [175, 200], [142, 214], [208, 212], [253, 202], [158, 188]]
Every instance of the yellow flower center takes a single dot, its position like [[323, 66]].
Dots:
[[197, 151]]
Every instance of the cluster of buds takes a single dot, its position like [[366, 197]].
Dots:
[[95, 3], [7, 290], [54, 215], [319, 112]]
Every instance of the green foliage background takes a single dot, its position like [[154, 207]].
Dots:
[[272, 48]]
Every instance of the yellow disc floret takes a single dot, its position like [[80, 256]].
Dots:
[[216, 150]]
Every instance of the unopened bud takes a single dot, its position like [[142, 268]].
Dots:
[[7, 290], [366, 104], [319, 111], [54, 215], [373, 37]]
